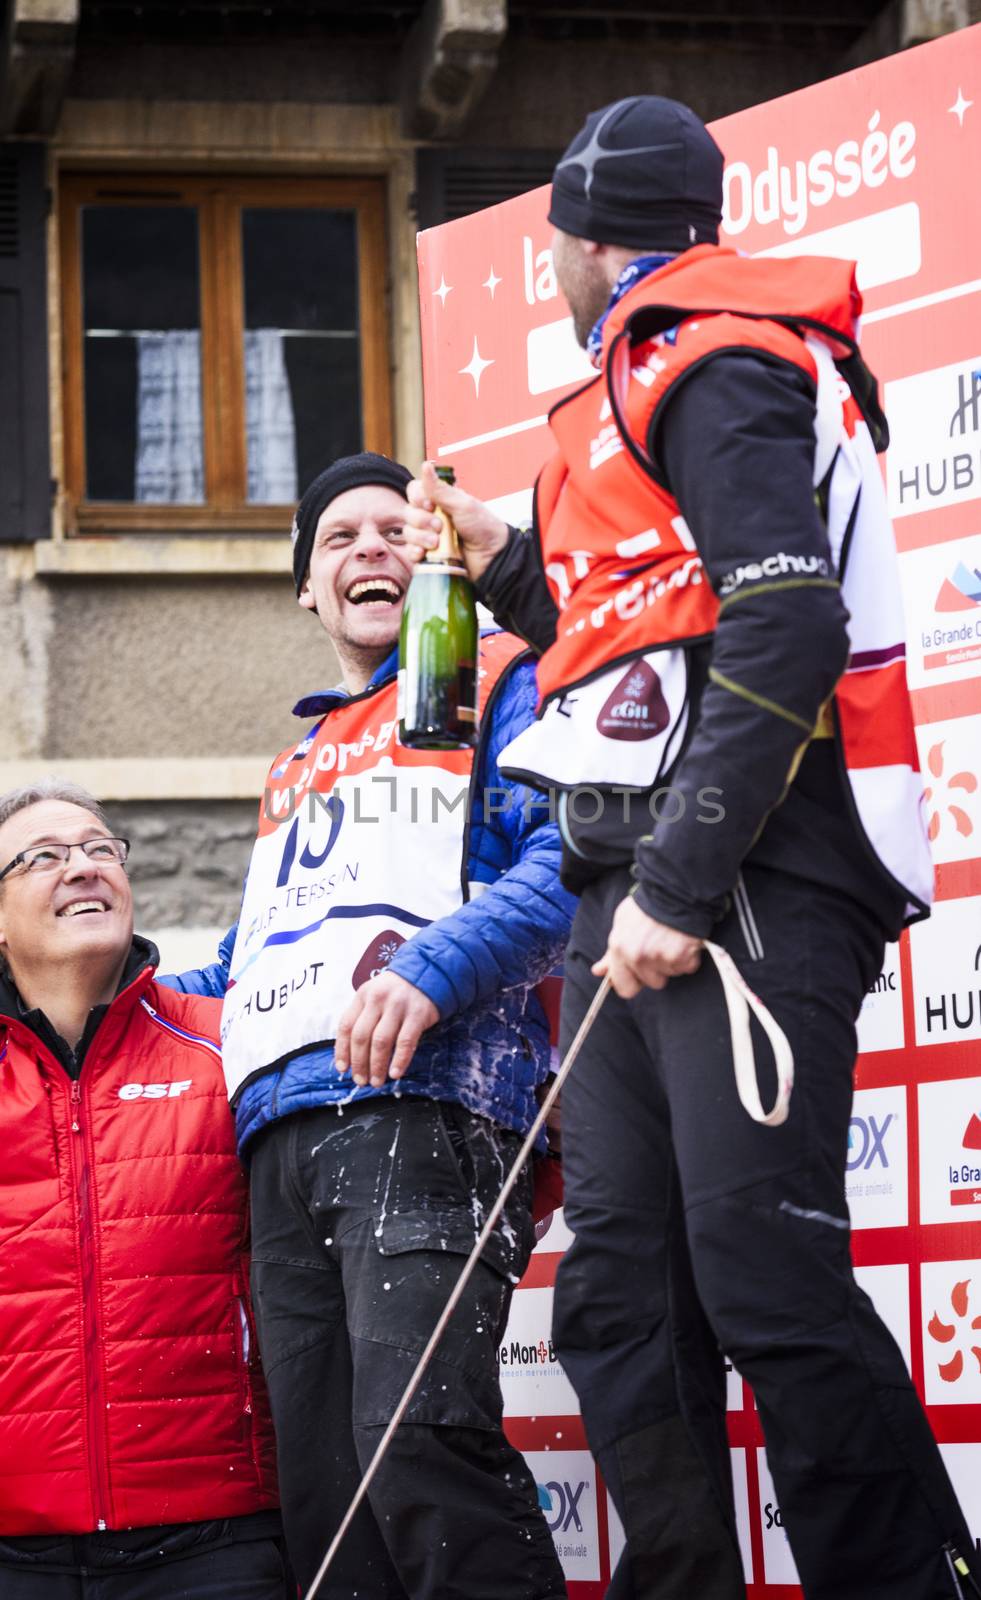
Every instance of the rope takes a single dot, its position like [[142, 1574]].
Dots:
[[462, 1281]]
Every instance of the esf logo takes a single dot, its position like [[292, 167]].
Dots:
[[154, 1091], [867, 1142], [560, 1504]]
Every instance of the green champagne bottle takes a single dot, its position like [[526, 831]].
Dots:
[[438, 643]]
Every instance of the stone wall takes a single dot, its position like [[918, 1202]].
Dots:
[[187, 861]]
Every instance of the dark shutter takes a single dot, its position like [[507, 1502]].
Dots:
[[25, 472], [453, 183]]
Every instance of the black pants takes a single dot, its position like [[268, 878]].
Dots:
[[360, 1224], [697, 1230], [116, 1567]]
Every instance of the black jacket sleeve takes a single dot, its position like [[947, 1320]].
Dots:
[[736, 446], [514, 589]]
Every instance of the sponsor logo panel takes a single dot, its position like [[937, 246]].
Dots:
[[950, 757], [877, 1169], [532, 1381], [950, 1151], [946, 961], [880, 1021], [778, 1563], [888, 1289], [951, 1293], [934, 457], [942, 600], [566, 1481]]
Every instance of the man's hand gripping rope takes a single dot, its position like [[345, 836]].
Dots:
[[740, 1000]]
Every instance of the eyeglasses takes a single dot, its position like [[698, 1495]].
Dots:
[[46, 857]]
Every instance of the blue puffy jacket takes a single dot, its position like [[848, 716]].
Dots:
[[478, 966]]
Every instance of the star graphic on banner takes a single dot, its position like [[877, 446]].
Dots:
[[594, 151], [444, 289], [477, 367], [960, 105], [492, 282]]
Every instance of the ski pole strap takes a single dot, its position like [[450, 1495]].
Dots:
[[740, 1001]]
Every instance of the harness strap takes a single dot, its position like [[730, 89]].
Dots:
[[740, 1001]]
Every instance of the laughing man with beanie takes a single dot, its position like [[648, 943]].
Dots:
[[721, 646], [398, 909]]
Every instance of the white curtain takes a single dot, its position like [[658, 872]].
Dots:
[[269, 424], [169, 449]]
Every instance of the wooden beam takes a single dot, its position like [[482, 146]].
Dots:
[[449, 59], [36, 57], [904, 23]]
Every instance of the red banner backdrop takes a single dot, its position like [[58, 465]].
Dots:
[[882, 166]]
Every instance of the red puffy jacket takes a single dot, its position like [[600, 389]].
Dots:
[[130, 1393]]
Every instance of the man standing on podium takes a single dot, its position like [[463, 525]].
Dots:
[[711, 585], [383, 1045]]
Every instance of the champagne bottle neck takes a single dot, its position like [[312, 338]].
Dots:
[[447, 552]]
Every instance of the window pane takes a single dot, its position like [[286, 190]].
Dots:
[[301, 268], [302, 346], [141, 317]]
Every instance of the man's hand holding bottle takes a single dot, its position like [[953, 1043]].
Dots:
[[482, 533]]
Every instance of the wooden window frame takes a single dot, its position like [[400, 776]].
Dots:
[[219, 199]]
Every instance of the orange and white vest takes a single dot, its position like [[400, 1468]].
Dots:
[[361, 842], [625, 572]]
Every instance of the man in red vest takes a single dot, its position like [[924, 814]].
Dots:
[[711, 585], [136, 1451]]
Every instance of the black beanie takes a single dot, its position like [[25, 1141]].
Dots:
[[645, 173], [349, 472]]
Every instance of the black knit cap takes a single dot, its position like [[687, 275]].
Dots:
[[643, 172], [349, 472]]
